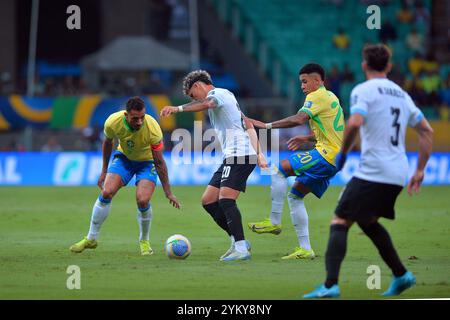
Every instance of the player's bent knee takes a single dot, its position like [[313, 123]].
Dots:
[[208, 199], [210, 195], [107, 194], [143, 203], [344, 222]]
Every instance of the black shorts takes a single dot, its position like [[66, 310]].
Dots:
[[363, 200], [233, 173]]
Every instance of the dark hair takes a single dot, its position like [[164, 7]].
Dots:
[[193, 77], [135, 103], [377, 56], [313, 68]]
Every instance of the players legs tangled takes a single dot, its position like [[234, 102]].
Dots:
[[370, 195]]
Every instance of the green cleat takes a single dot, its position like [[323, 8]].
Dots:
[[300, 253], [83, 244], [146, 250], [265, 226]]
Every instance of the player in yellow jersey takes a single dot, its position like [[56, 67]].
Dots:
[[313, 169], [140, 153]]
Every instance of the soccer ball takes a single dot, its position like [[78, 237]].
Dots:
[[178, 247]]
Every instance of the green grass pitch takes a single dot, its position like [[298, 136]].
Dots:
[[37, 226]]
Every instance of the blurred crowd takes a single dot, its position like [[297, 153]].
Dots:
[[427, 82]]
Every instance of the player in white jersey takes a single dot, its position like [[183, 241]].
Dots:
[[380, 111], [240, 150]]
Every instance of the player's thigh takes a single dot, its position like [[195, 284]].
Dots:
[[228, 193], [300, 162], [286, 168], [112, 184], [210, 195], [144, 191]]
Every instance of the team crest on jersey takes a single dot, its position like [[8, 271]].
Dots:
[[308, 104], [130, 144]]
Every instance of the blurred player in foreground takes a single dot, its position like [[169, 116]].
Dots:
[[140, 153], [380, 111]]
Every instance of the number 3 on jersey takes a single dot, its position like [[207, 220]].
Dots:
[[396, 113]]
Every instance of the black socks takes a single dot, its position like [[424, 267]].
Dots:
[[381, 239], [337, 246], [218, 215], [233, 216]]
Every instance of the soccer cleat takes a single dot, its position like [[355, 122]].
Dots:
[[236, 255], [265, 226], [324, 292], [83, 244], [249, 248], [300, 253], [400, 284], [146, 250]]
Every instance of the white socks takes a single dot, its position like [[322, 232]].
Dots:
[[144, 219], [100, 212], [299, 218], [278, 192]]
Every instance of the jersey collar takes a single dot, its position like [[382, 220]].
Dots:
[[128, 126]]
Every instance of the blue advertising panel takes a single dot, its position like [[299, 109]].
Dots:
[[83, 168]]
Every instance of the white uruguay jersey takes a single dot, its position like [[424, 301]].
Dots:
[[227, 121], [387, 110]]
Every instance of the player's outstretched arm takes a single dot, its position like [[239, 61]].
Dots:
[[161, 169], [106, 151], [289, 122], [193, 106], [425, 132], [262, 162]]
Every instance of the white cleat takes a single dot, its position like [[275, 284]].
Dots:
[[236, 255]]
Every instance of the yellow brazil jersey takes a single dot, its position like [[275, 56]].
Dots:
[[136, 145], [326, 121]]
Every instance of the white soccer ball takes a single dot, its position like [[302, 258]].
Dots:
[[178, 247]]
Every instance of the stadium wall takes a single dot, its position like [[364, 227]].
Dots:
[[83, 168]]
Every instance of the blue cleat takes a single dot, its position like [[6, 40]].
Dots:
[[324, 292], [236, 255], [400, 284]]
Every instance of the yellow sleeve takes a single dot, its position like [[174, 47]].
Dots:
[[108, 130], [312, 105], [156, 135]]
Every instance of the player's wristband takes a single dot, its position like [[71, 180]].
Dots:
[[180, 108], [269, 126]]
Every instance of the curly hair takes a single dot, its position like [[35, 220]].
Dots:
[[193, 77], [313, 68]]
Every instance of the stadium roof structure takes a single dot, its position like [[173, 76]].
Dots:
[[136, 54]]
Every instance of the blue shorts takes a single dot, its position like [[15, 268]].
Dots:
[[126, 169], [312, 171]]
